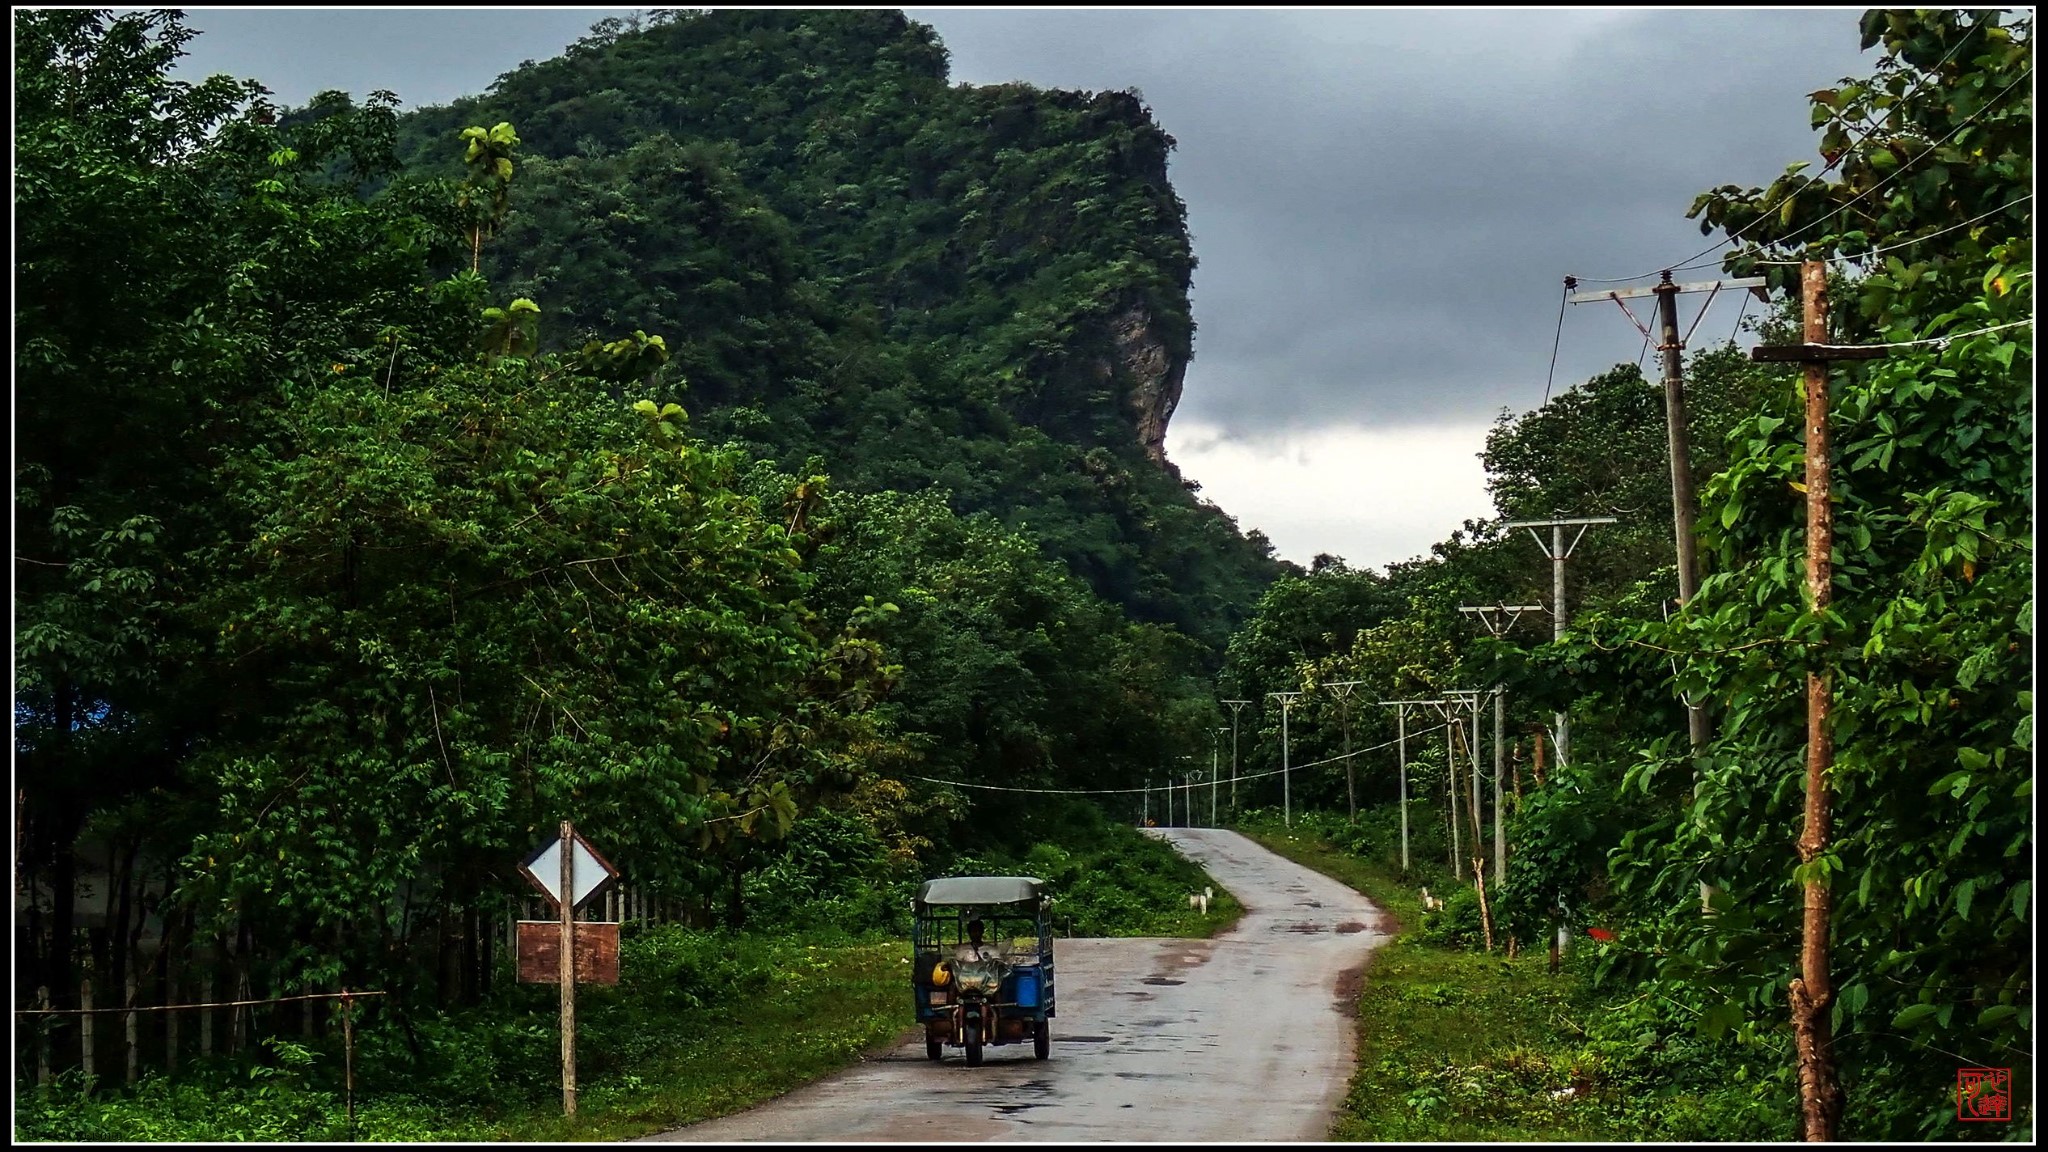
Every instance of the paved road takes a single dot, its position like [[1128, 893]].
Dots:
[[1244, 1037]]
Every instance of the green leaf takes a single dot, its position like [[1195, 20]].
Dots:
[[1914, 1015], [1996, 1014]]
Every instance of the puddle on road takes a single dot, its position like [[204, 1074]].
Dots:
[[1081, 1039], [1306, 927], [1013, 1109], [1163, 980], [1350, 926]]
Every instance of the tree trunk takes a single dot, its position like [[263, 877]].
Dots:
[[120, 905]]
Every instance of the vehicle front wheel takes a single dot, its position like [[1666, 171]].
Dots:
[[973, 1045], [1041, 1039], [933, 1049]]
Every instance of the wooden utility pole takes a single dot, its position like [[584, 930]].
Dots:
[[567, 966], [1811, 993]]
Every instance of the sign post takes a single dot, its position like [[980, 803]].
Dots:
[[569, 871], [565, 968]]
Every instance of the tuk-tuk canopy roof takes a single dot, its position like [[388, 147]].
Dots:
[[981, 890]]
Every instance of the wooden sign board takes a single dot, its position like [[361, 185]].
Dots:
[[540, 950]]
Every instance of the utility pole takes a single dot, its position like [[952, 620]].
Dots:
[[1235, 707], [1457, 698], [1343, 689], [1811, 993], [1451, 795], [1469, 697], [1671, 345], [1558, 552], [1215, 734], [1400, 708], [1498, 619], [1286, 790]]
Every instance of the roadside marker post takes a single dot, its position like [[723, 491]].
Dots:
[[568, 871]]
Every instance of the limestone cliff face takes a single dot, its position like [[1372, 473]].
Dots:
[[1154, 373]]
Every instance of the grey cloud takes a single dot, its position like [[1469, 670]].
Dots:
[[1384, 203]]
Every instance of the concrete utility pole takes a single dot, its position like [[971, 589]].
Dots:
[[1811, 993], [1498, 619], [1671, 345], [1400, 708], [1558, 552], [1451, 796], [1343, 690], [1235, 707], [1286, 791], [1215, 735]]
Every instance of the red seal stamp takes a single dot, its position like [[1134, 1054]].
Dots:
[[1984, 1094]]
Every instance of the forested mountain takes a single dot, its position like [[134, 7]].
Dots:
[[981, 290]]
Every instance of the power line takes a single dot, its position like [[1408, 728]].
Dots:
[[1943, 340], [1917, 239], [1133, 791], [1569, 284], [1901, 170], [1765, 213]]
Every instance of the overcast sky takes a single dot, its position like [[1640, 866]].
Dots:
[[1384, 203]]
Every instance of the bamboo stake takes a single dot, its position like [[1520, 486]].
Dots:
[[1485, 912], [43, 1041], [348, 1057], [85, 1028], [134, 1070]]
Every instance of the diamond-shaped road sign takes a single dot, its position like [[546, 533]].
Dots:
[[592, 872]]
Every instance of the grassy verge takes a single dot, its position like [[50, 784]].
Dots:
[[704, 1024], [787, 1013], [1471, 1046]]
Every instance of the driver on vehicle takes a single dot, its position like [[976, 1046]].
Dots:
[[974, 949]]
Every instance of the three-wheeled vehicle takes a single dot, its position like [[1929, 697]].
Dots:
[[981, 964]]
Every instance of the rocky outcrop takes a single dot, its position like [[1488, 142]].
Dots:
[[1154, 374]]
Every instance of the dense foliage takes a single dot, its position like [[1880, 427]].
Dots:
[[1928, 639], [343, 575]]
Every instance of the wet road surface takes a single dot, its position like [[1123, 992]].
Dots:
[[1248, 1036]]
